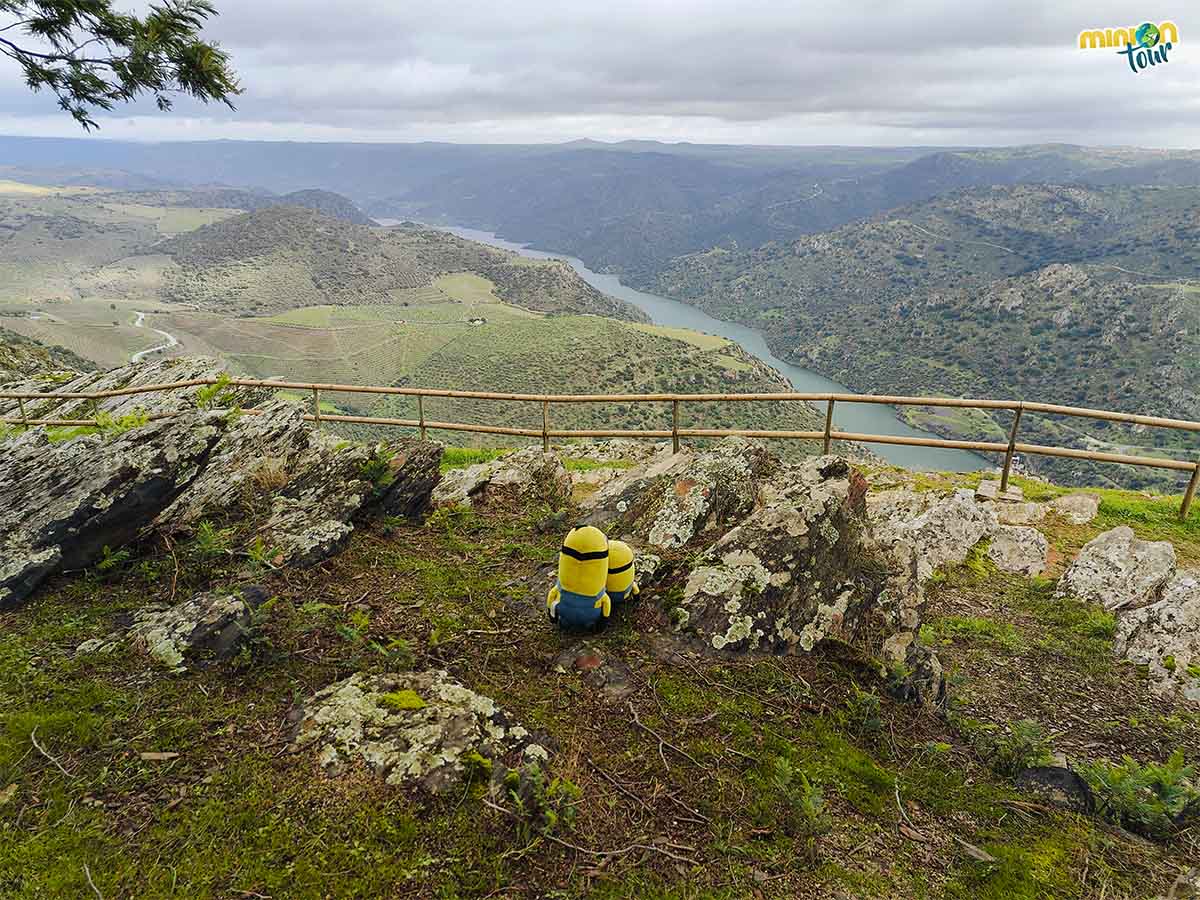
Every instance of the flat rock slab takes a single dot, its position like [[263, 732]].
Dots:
[[1019, 550], [990, 490], [1078, 509], [1021, 513], [415, 728], [1118, 571]]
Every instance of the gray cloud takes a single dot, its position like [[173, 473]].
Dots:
[[754, 71]]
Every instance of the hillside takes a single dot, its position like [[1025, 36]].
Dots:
[[21, 357], [331, 661], [1027, 292], [628, 207], [285, 257], [325, 202]]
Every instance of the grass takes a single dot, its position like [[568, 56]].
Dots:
[[455, 591]]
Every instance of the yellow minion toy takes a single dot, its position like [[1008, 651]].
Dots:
[[622, 580], [579, 599]]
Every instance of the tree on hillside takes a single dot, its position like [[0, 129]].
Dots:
[[92, 57]]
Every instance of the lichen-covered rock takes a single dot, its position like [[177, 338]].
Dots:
[[1118, 571], [1078, 509], [306, 484], [1021, 513], [525, 475], [1165, 637], [791, 574], [1019, 550], [205, 629], [267, 452], [919, 534], [677, 498], [62, 503], [916, 674], [413, 728], [208, 628]]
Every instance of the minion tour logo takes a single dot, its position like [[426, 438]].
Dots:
[[1144, 46]]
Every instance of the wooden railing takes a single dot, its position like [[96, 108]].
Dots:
[[1009, 449]]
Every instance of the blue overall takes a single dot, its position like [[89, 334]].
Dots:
[[621, 596], [578, 610]]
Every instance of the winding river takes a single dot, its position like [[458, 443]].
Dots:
[[863, 418]]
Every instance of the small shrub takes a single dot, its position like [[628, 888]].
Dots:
[[217, 394], [365, 651], [861, 716], [451, 519], [1024, 746], [788, 801], [542, 807], [378, 468], [1152, 799], [211, 541], [269, 476], [112, 561], [263, 554]]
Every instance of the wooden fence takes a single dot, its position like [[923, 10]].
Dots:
[[1009, 448]]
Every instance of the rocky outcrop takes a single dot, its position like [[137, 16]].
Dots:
[[1019, 550], [292, 488], [62, 503], [167, 371], [1165, 637], [417, 728], [1118, 571], [679, 497], [1078, 509], [208, 628], [919, 534], [792, 573], [527, 475], [413, 470]]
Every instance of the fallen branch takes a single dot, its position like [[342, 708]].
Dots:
[[599, 854], [662, 741], [42, 750]]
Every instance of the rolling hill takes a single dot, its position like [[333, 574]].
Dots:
[[1055, 293]]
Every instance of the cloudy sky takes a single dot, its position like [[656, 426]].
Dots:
[[750, 71]]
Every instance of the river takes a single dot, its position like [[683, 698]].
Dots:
[[863, 418]]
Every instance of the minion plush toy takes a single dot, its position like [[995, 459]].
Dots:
[[622, 580], [579, 599]]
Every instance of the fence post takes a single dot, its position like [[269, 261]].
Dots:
[[675, 426], [421, 414], [828, 428], [24, 418], [317, 406], [545, 426], [1190, 494], [1012, 443]]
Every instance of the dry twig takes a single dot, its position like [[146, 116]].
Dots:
[[42, 750]]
